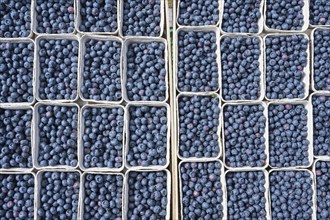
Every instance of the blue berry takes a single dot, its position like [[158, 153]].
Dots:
[[285, 15], [197, 67], [198, 12], [98, 16], [199, 126], [319, 12], [321, 67], [142, 18], [321, 124], [288, 132], [322, 173], [17, 196], [244, 130], [58, 63], [240, 68], [291, 194], [147, 195], [16, 71], [102, 137], [286, 59], [146, 72], [103, 196], [246, 198], [202, 194], [15, 138], [57, 134], [58, 195], [148, 136], [241, 16], [54, 16], [101, 72]]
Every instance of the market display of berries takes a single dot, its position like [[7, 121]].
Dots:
[[102, 137], [101, 70], [240, 68], [98, 16], [147, 195], [15, 138], [17, 196], [321, 61], [288, 135], [146, 71], [291, 194], [246, 198], [241, 16], [244, 132], [198, 12], [319, 12], [285, 15], [197, 66], [58, 63], [286, 60], [16, 71], [57, 133], [103, 195], [201, 190], [322, 175], [199, 126], [58, 195]]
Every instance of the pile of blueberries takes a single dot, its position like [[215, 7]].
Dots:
[[322, 172]]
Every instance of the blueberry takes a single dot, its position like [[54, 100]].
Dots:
[[101, 72], [322, 173], [291, 194], [198, 12], [244, 130], [288, 132], [199, 126], [240, 68], [286, 60], [146, 72], [58, 195], [201, 190], [147, 195], [103, 196], [246, 197], [98, 16], [54, 16], [241, 16], [15, 18], [16, 71], [319, 12], [321, 59], [142, 18], [58, 63], [197, 67], [15, 138], [321, 125], [102, 137], [148, 136], [57, 134], [285, 15]]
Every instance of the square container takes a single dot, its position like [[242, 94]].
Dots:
[[36, 138], [309, 126], [261, 69], [81, 64], [38, 71], [265, 113], [126, 44], [176, 54], [178, 125], [81, 145], [127, 136], [305, 70]]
